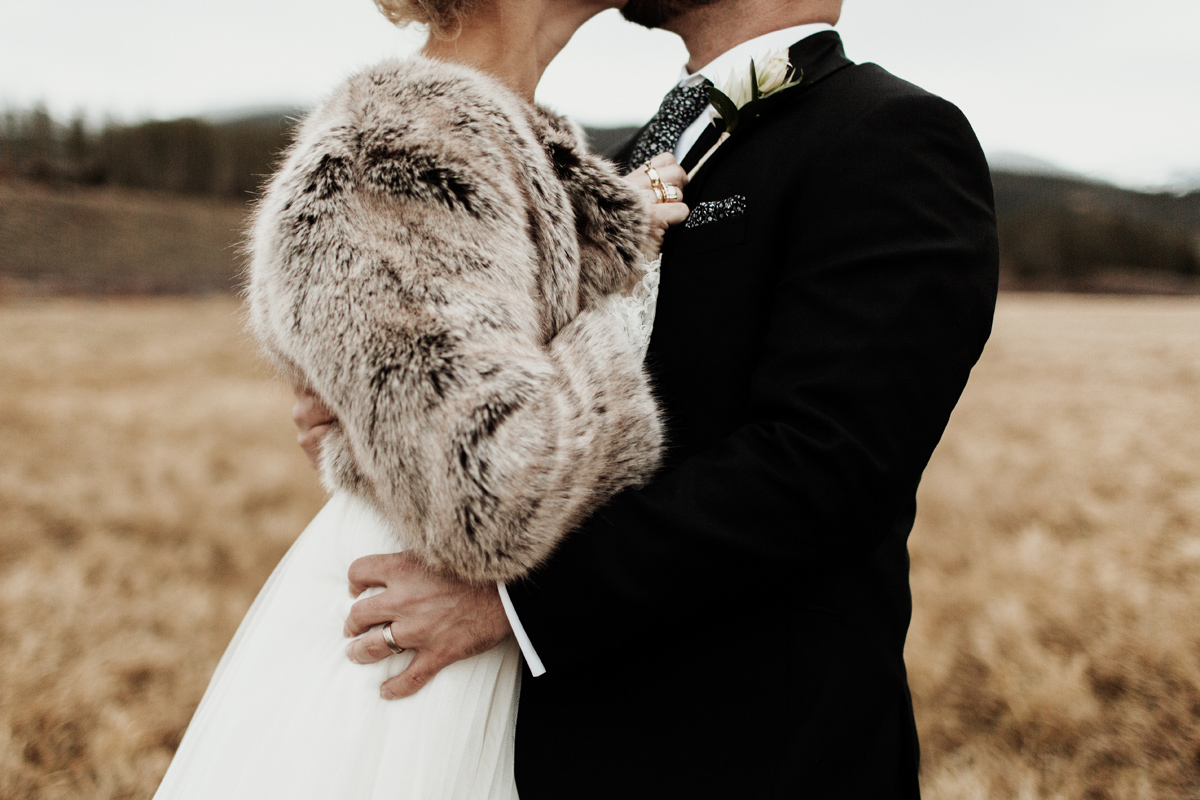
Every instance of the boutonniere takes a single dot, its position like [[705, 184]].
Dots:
[[740, 95]]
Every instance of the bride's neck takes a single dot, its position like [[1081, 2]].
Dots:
[[514, 40]]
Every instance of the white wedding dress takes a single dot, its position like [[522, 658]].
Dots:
[[288, 715]]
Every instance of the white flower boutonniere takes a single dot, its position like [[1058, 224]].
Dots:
[[739, 96]]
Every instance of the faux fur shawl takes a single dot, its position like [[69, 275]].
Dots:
[[433, 259]]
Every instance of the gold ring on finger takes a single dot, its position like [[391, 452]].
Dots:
[[671, 193], [655, 180], [660, 192], [391, 643]]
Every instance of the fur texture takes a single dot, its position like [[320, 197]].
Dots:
[[434, 259]]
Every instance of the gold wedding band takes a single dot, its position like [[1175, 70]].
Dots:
[[391, 643], [665, 192], [655, 181]]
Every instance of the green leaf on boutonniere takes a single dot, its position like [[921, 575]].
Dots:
[[726, 108], [738, 99]]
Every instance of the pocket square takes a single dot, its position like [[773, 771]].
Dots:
[[715, 210]]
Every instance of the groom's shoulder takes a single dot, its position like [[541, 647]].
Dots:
[[867, 94], [863, 120], [869, 80]]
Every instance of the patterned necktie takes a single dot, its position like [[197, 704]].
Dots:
[[679, 109]]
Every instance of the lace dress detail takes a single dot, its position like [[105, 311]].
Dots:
[[635, 311]]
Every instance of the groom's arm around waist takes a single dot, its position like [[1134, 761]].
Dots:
[[882, 302]]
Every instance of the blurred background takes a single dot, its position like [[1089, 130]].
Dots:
[[149, 480], [1089, 112]]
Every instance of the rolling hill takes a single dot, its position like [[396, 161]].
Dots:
[[158, 208]]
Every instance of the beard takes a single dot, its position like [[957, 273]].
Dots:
[[657, 13]]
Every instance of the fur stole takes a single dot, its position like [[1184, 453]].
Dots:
[[434, 259]]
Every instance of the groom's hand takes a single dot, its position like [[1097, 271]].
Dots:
[[441, 618]]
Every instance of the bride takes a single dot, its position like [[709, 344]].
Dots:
[[469, 291]]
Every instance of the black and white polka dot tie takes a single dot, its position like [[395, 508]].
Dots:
[[679, 109]]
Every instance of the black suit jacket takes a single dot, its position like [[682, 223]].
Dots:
[[736, 628]]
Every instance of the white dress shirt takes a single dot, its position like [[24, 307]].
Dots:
[[718, 70], [531, 657]]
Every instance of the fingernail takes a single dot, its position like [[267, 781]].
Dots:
[[350, 655], [386, 694]]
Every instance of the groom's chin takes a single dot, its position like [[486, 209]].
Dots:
[[643, 12], [657, 13]]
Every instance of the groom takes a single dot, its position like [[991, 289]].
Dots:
[[736, 628]]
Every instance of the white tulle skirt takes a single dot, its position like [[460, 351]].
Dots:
[[287, 715]]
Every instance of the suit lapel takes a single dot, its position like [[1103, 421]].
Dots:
[[815, 58], [819, 56], [702, 145]]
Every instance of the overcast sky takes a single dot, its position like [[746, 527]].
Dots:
[[1110, 89]]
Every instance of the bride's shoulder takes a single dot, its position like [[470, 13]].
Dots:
[[416, 131], [424, 98]]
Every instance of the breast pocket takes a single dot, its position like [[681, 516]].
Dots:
[[714, 224]]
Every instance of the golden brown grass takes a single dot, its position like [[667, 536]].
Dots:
[[1055, 648], [149, 482], [148, 487]]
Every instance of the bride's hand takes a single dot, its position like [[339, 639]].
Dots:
[[661, 215], [312, 418]]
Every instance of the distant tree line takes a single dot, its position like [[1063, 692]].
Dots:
[[185, 156], [1063, 232], [1056, 232], [1066, 247]]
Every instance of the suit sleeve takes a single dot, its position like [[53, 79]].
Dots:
[[884, 295]]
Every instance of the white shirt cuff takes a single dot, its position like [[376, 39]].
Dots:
[[536, 667]]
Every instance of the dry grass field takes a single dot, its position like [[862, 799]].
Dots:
[[98, 241], [149, 483]]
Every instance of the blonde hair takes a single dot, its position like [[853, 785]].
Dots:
[[444, 17]]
